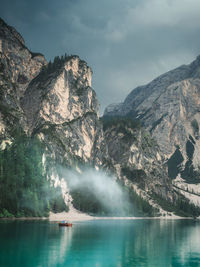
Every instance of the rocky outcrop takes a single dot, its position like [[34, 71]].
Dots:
[[18, 66], [63, 110], [168, 107], [17, 61], [137, 159]]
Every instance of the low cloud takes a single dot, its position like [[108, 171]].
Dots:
[[101, 185]]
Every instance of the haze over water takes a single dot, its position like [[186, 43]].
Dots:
[[100, 243]]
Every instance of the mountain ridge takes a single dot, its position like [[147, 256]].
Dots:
[[168, 107]]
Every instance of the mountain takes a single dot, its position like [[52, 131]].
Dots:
[[168, 107], [51, 102], [62, 109], [18, 66], [51, 135]]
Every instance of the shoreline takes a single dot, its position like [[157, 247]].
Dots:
[[25, 218], [96, 219], [74, 215]]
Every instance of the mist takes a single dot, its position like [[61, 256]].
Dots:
[[100, 186]]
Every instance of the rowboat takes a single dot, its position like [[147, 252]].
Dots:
[[65, 224]]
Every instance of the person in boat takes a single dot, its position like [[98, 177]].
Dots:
[[65, 223]]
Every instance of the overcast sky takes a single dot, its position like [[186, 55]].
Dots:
[[126, 42]]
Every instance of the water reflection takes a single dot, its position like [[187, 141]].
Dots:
[[188, 246], [60, 247], [101, 243]]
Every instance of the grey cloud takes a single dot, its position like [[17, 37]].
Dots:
[[126, 42]]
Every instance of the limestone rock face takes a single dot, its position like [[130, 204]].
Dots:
[[63, 109], [169, 109], [61, 97], [137, 160], [18, 66], [23, 64]]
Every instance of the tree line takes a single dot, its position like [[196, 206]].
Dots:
[[53, 66], [24, 188]]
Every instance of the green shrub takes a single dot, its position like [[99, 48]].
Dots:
[[6, 214]]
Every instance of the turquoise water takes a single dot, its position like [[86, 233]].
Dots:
[[100, 243]]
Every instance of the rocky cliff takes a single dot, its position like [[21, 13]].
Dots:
[[168, 108], [63, 110], [137, 159], [18, 66]]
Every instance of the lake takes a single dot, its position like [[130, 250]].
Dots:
[[113, 243]]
